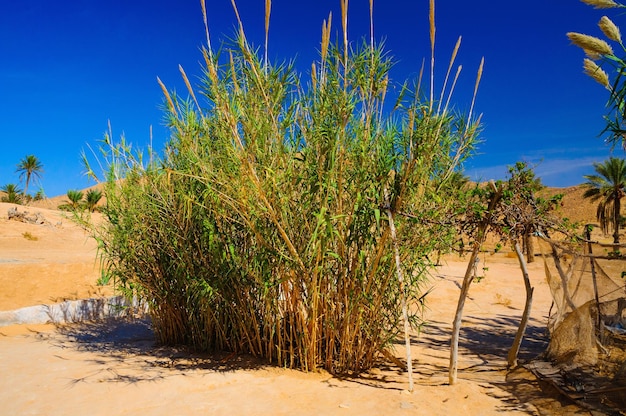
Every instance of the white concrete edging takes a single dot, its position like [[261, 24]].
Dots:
[[71, 311]]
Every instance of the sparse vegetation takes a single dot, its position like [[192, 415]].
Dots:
[[79, 201], [92, 197], [104, 279], [40, 195], [12, 194], [74, 201], [504, 301], [29, 236]]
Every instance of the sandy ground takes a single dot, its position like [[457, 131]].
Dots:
[[116, 368]]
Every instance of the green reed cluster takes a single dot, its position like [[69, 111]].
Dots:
[[263, 227]]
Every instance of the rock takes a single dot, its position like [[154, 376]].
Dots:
[[37, 218]]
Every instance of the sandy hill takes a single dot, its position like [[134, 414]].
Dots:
[[574, 206], [53, 203]]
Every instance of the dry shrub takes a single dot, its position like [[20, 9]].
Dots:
[[29, 236], [501, 300], [575, 340]]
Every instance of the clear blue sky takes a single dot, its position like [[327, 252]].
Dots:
[[68, 67]]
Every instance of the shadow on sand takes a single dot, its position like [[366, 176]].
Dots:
[[123, 346], [126, 350], [483, 348]]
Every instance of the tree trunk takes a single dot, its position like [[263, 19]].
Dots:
[[616, 218], [517, 342], [467, 281], [458, 316], [530, 248], [593, 274], [564, 277]]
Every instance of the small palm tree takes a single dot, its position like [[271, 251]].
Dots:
[[13, 193], [92, 198], [74, 198], [40, 195], [607, 185], [30, 167]]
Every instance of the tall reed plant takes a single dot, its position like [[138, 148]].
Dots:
[[600, 54], [264, 227]]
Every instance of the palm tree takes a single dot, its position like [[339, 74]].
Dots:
[[39, 195], [12, 193], [74, 198], [92, 198], [607, 185], [28, 168]]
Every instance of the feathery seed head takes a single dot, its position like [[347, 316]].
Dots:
[[595, 72], [601, 4], [592, 55], [590, 44], [609, 29]]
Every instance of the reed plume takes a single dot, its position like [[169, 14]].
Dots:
[[594, 71], [602, 4], [268, 10], [590, 43], [609, 29]]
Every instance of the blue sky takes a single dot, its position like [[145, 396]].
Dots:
[[70, 67]]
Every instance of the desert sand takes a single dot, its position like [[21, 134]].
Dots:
[[115, 366]]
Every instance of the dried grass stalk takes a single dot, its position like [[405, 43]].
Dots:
[[344, 26], [268, 10], [188, 85], [445, 82], [479, 76], [206, 27], [433, 29], [326, 25]]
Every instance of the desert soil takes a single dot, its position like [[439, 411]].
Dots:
[[115, 367]]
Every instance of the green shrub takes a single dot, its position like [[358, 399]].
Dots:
[[263, 227], [12, 194], [92, 198]]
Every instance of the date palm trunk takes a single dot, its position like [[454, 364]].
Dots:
[[616, 220]]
